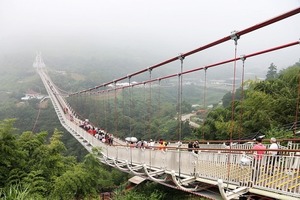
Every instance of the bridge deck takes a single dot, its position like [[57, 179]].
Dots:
[[188, 171]]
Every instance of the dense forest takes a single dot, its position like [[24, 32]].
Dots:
[[40, 160], [34, 167]]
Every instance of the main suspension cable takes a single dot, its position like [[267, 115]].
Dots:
[[218, 64], [222, 40]]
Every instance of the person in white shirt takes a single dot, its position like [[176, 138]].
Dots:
[[151, 143], [273, 146], [273, 158]]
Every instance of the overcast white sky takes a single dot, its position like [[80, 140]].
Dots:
[[161, 27]]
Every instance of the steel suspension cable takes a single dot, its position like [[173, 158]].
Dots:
[[98, 108], [96, 105], [297, 106], [89, 103], [85, 105], [150, 104], [242, 97], [130, 103], [37, 118], [222, 40], [103, 108], [106, 111], [102, 97], [204, 103], [232, 127], [181, 58], [91, 110], [123, 109], [81, 106], [130, 107], [115, 107], [159, 104], [178, 107], [180, 82], [145, 109], [77, 105], [235, 37]]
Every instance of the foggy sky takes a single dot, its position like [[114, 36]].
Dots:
[[156, 29]]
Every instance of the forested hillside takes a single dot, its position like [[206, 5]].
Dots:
[[33, 167], [269, 107]]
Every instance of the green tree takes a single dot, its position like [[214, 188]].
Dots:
[[272, 72], [82, 180], [12, 157], [33, 167]]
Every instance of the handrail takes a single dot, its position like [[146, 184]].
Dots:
[[222, 150]]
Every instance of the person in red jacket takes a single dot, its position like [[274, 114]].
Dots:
[[260, 150]]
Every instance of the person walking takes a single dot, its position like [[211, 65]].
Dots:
[[196, 146], [273, 158], [190, 146], [259, 151]]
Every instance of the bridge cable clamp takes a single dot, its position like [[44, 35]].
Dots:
[[234, 36], [181, 57], [243, 58]]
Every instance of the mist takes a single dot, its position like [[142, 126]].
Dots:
[[136, 34]]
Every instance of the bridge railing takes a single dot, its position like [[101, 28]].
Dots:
[[280, 174], [269, 174]]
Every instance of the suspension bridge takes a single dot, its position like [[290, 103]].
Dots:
[[216, 170]]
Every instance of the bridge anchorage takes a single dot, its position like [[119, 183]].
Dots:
[[213, 170]]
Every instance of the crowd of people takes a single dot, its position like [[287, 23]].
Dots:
[[97, 133], [259, 149], [162, 144], [151, 144]]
